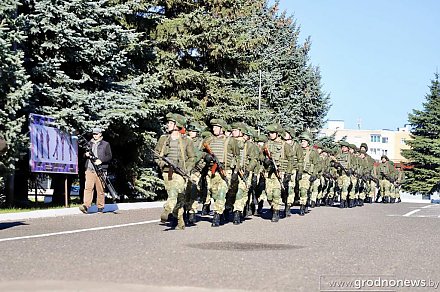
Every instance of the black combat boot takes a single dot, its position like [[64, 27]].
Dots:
[[302, 210], [342, 204], [392, 200], [237, 219], [260, 207], [318, 203], [360, 202], [275, 215], [205, 209], [225, 216], [312, 204], [398, 200], [350, 203], [385, 200], [287, 210], [330, 202], [216, 220], [192, 218]]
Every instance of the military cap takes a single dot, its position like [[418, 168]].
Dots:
[[384, 156], [365, 146], [305, 136]]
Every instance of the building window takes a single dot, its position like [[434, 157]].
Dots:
[[375, 138], [384, 139], [386, 152]]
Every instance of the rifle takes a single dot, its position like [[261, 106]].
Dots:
[[173, 167], [99, 170], [217, 164], [340, 166], [373, 179], [274, 167], [252, 198]]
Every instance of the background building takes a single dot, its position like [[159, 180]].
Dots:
[[380, 142]]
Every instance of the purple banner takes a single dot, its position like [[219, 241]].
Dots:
[[52, 150]]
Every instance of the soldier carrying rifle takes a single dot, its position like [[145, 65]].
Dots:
[[178, 149]]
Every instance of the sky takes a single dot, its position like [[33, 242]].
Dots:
[[376, 57]]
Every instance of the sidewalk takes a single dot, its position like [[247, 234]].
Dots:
[[75, 211]]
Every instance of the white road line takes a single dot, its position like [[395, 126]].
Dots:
[[77, 231], [410, 213], [429, 206]]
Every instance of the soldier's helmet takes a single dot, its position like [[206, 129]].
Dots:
[[219, 122], [261, 138], [344, 143], [291, 131], [180, 121], [318, 144], [365, 146], [273, 128], [362, 151], [238, 126], [305, 136], [194, 126], [384, 156], [251, 132]]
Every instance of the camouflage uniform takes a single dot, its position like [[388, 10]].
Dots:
[[226, 150], [344, 160], [281, 155], [308, 172], [386, 178], [179, 150], [400, 179]]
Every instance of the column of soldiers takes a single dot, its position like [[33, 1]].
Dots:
[[232, 171]]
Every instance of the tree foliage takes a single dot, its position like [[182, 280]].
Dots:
[[122, 65], [424, 154]]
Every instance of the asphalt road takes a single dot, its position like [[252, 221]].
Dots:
[[132, 251]]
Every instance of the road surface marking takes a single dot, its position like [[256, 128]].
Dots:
[[429, 206], [410, 213], [78, 230]]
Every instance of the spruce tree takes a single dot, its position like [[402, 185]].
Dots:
[[424, 155]]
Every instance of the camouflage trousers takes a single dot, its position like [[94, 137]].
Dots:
[[385, 188], [218, 188], [273, 191], [176, 196], [344, 183], [242, 192], [397, 191], [304, 188], [192, 193], [352, 191], [291, 188], [314, 189]]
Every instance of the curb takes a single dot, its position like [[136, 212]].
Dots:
[[76, 211]]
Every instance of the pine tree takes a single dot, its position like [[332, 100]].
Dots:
[[15, 89], [424, 154]]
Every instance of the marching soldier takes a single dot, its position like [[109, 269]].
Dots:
[[290, 178], [316, 184], [344, 166], [400, 179], [222, 156], [370, 187], [307, 173], [386, 178], [198, 173], [276, 161], [260, 192], [180, 150]]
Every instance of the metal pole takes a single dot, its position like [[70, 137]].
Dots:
[[66, 203], [259, 98]]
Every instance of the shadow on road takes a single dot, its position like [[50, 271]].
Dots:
[[6, 225]]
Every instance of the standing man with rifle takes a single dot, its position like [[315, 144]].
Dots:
[[222, 156], [179, 153], [276, 161], [100, 157]]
